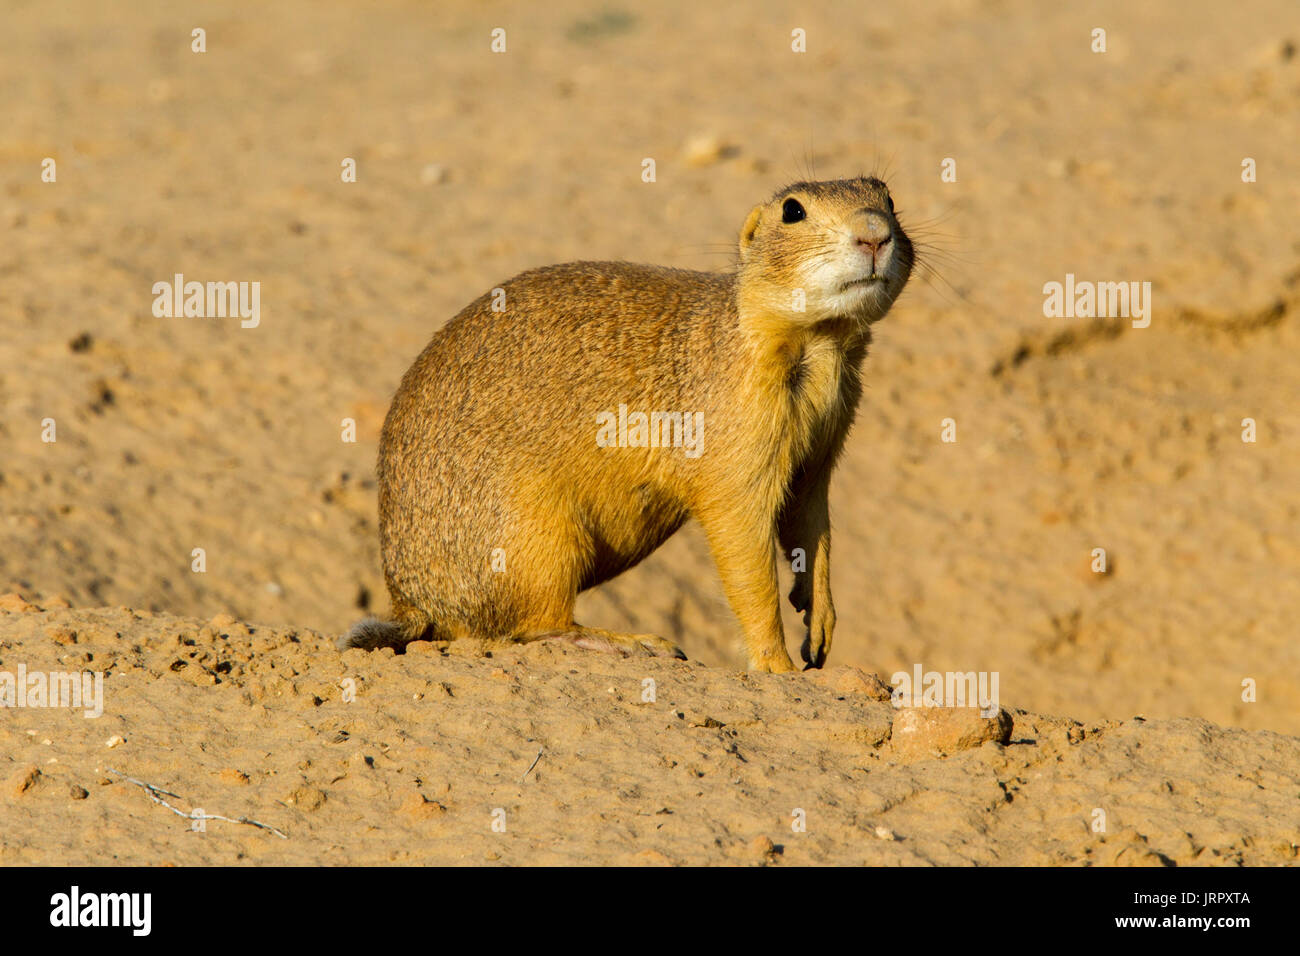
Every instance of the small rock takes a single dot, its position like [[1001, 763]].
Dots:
[[61, 635], [306, 798], [938, 731], [762, 848], [22, 780], [705, 150], [434, 174], [78, 793], [114, 741], [419, 807], [234, 777], [710, 722]]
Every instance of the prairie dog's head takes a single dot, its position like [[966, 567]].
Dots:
[[818, 251]]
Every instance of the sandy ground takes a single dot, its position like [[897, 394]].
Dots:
[[546, 755], [175, 433]]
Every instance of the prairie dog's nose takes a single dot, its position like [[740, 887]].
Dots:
[[872, 231]]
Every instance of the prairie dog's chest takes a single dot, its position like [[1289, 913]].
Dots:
[[821, 398], [817, 383]]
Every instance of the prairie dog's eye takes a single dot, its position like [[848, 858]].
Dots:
[[891, 202], [792, 211]]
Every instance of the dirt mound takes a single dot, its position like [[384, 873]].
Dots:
[[463, 753]]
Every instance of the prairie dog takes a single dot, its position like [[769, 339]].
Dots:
[[555, 433]]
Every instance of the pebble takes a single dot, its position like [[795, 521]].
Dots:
[[763, 849], [434, 174], [420, 807], [22, 780], [939, 731], [306, 798], [705, 150]]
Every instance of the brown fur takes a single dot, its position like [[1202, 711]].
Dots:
[[491, 439]]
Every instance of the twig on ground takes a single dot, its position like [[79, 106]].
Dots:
[[531, 765], [154, 792]]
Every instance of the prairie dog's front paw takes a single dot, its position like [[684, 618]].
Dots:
[[821, 628]]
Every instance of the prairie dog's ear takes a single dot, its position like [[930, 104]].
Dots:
[[747, 231]]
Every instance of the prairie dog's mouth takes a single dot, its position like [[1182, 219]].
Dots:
[[864, 281]]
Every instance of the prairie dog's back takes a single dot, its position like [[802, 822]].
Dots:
[[573, 340]]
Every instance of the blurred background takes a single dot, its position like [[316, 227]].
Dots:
[[175, 434]]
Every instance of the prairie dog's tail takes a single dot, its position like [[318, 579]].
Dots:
[[371, 634]]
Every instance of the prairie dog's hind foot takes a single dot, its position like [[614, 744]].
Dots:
[[610, 642]]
